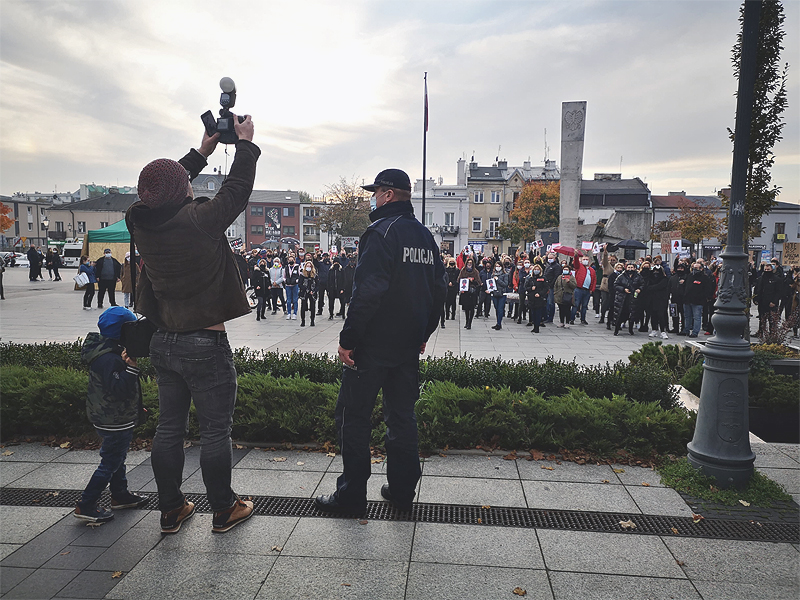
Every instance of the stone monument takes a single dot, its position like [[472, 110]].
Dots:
[[573, 125]]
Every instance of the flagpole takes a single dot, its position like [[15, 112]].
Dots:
[[424, 148]]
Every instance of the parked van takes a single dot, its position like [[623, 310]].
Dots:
[[72, 252]]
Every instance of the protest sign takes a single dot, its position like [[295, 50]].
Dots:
[[463, 285], [491, 284], [791, 254], [586, 245]]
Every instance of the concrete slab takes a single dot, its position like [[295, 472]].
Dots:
[[348, 538], [610, 553], [291, 460], [29, 452], [768, 455], [196, 575], [374, 483], [562, 495], [271, 482], [6, 549], [301, 578], [74, 557], [451, 490], [90, 584], [257, 536], [44, 583], [540, 470], [590, 586], [92, 457], [376, 468], [459, 465], [722, 590], [20, 524], [789, 479], [140, 477], [11, 576], [57, 476], [456, 582], [110, 532], [477, 545], [659, 501], [637, 475], [736, 562], [790, 450], [128, 550], [12, 471]]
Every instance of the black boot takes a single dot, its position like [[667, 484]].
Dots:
[[630, 328]]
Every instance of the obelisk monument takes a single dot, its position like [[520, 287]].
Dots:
[[573, 125]]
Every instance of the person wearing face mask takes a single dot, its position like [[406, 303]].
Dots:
[[469, 298], [523, 275], [261, 285], [323, 266], [452, 290], [308, 292], [676, 288], [563, 291], [619, 268], [586, 279], [276, 285], [335, 287], [627, 287], [656, 299], [501, 278], [607, 266], [552, 269], [536, 290], [767, 296], [108, 270], [484, 299], [291, 282], [696, 288]]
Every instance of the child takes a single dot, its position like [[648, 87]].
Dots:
[[112, 406]]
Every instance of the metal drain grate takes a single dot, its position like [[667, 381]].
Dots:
[[726, 529]]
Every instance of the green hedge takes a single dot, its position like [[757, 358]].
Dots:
[[642, 382], [51, 401]]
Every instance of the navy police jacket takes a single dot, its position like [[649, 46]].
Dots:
[[398, 290]]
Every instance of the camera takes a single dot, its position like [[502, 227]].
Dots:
[[224, 124]]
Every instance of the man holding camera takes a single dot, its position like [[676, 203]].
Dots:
[[190, 352]]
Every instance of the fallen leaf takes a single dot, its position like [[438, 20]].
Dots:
[[697, 518], [346, 584], [300, 463], [674, 530], [238, 446], [363, 522], [480, 521], [744, 503], [605, 481], [486, 506], [619, 470], [627, 524], [279, 459], [519, 591], [94, 524], [510, 456], [7, 453], [548, 468], [376, 461], [645, 484], [277, 548], [536, 455], [116, 575], [64, 553], [680, 562], [442, 454], [187, 444], [52, 494], [64, 445], [331, 454]]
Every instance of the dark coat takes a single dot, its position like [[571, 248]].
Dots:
[[469, 298], [676, 289], [323, 269], [697, 288], [769, 289], [291, 275], [261, 282], [536, 284], [452, 281], [625, 304], [172, 290], [348, 276], [336, 280], [656, 290], [100, 263], [112, 400], [308, 287]]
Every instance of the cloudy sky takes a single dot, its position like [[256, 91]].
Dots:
[[93, 90]]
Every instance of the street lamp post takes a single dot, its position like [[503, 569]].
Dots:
[[720, 447], [46, 223]]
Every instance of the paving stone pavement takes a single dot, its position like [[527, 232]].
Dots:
[[46, 553]]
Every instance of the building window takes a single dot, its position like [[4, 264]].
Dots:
[[428, 219], [514, 198], [310, 230], [41, 212], [288, 229], [496, 197], [449, 219], [30, 226], [478, 197], [494, 223], [103, 224], [780, 227], [231, 233], [30, 212], [310, 212], [59, 225], [211, 185], [288, 211], [257, 229], [257, 211], [81, 226], [477, 224]]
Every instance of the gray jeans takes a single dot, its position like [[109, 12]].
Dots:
[[195, 366]]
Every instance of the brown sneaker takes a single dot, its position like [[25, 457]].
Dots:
[[230, 517], [171, 521]]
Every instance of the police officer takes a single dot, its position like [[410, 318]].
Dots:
[[398, 293]]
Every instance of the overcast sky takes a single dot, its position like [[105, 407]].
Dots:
[[93, 90]]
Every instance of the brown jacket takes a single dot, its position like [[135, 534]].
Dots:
[[190, 280], [125, 277]]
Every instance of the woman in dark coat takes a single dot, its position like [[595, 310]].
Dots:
[[627, 287], [619, 268], [564, 285], [309, 283], [536, 290], [261, 283], [335, 288], [468, 299], [657, 300], [452, 291], [676, 297]]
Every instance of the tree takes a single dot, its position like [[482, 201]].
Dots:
[[695, 220], [6, 222], [347, 211], [769, 104], [537, 207], [304, 196]]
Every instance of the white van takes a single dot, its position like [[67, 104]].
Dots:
[[71, 256]]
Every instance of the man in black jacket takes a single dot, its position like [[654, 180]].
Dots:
[[398, 293], [696, 289], [107, 270], [767, 296]]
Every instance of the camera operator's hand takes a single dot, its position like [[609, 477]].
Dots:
[[208, 145], [244, 129]]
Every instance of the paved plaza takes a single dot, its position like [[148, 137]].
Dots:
[[46, 553]]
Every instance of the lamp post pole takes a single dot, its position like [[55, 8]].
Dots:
[[721, 444]]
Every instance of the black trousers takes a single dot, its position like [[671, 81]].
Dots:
[[450, 305], [308, 304], [333, 295], [320, 298], [103, 286], [400, 385], [88, 294]]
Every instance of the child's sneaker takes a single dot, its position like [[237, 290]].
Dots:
[[128, 500], [95, 514], [226, 519], [171, 521]]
